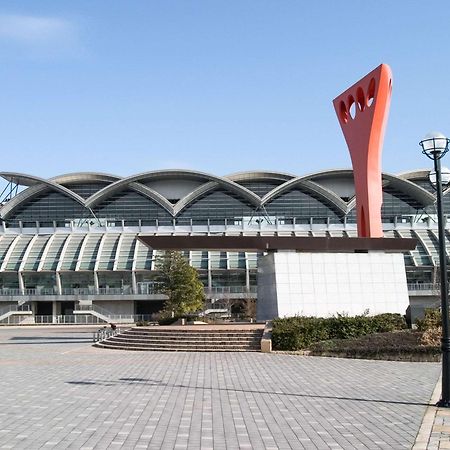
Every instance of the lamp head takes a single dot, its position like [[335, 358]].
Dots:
[[445, 177], [434, 144]]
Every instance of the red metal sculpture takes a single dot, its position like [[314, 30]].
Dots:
[[362, 111]]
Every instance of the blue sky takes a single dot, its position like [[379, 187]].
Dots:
[[216, 86]]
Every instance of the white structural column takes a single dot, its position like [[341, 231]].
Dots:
[[63, 252], [247, 273], [23, 262], [99, 252], [9, 253], [425, 246], [54, 311], [27, 253], [133, 267], [117, 255], [80, 255], [413, 253], [96, 287], [134, 282], [21, 283], [45, 252], [97, 262], [209, 270], [58, 283], [437, 240], [60, 262]]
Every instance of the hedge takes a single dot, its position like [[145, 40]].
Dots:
[[432, 319], [403, 345], [297, 333]]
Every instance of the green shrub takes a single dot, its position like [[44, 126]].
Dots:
[[167, 320], [141, 323], [389, 322], [432, 319], [296, 333]]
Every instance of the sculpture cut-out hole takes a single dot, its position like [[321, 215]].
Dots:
[[343, 112], [361, 99], [371, 92], [352, 107]]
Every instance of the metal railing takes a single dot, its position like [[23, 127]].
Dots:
[[128, 291], [10, 308], [104, 333], [95, 308], [67, 291], [231, 290], [40, 291], [117, 291], [423, 287], [88, 319], [67, 319], [112, 316]]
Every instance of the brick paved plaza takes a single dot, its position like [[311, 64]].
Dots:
[[57, 391]]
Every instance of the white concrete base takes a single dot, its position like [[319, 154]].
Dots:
[[323, 284]]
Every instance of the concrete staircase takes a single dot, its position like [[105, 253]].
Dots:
[[14, 310], [103, 314], [187, 339]]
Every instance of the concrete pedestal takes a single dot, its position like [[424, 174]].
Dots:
[[323, 284]]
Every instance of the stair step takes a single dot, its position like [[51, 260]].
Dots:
[[197, 332], [192, 336], [185, 340], [186, 344], [177, 349], [189, 343], [180, 337]]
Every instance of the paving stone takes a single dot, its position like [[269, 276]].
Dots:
[[60, 392]]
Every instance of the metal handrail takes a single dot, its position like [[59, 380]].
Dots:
[[423, 287], [95, 308], [231, 290], [104, 333], [67, 291], [104, 312], [18, 308]]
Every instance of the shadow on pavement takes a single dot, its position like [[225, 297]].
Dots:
[[148, 382]]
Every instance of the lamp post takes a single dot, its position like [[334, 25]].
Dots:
[[435, 146]]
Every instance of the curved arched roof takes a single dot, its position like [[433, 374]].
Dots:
[[37, 185], [147, 176], [415, 174], [85, 177], [259, 175], [408, 187], [142, 183]]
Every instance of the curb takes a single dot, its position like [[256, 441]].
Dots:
[[423, 436]]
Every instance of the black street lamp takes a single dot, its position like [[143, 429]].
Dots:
[[435, 146]]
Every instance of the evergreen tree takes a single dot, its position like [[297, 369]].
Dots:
[[180, 282]]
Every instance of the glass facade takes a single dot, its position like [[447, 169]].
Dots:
[[50, 241], [217, 206], [130, 205], [47, 207], [302, 206], [85, 190]]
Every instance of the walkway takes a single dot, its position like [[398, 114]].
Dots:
[[60, 392]]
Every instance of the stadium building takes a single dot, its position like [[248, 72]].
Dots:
[[69, 249]]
